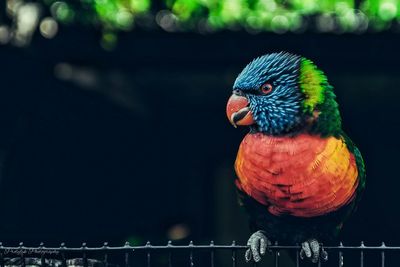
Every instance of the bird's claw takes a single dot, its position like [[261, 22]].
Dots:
[[313, 250], [258, 244]]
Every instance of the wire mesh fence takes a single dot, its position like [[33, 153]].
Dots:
[[190, 255]]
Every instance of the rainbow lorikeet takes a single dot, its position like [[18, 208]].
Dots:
[[299, 175]]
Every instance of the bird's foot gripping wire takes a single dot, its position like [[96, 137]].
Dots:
[[258, 244], [313, 250]]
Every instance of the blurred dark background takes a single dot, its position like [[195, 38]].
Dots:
[[133, 144]]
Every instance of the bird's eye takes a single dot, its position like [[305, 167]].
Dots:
[[266, 88]]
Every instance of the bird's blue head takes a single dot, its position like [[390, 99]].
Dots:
[[277, 93]]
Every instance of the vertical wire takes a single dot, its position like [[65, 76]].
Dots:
[[127, 245], [340, 261], [191, 254], [169, 254], [63, 259], [105, 248], [1, 255], [233, 254], [362, 254], [84, 256], [21, 245], [212, 254], [276, 256], [42, 259], [148, 245]]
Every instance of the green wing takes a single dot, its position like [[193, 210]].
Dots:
[[360, 165]]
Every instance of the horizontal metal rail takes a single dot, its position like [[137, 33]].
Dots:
[[18, 256], [191, 245]]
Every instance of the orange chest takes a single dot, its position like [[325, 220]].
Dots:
[[303, 176]]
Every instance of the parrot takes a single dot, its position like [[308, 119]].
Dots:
[[299, 176]]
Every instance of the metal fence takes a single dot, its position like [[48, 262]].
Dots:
[[172, 255]]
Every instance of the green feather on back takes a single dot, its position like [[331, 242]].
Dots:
[[320, 98], [359, 160]]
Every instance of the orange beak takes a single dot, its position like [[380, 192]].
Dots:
[[238, 111]]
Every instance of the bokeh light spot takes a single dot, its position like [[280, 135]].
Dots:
[[48, 27]]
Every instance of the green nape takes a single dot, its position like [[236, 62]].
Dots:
[[312, 82], [320, 98]]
